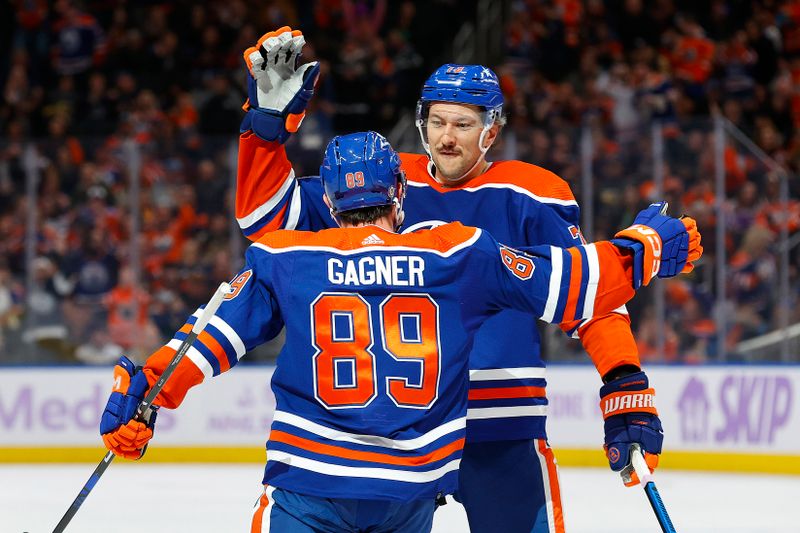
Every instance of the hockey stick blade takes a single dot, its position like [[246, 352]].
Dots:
[[649, 486], [145, 406]]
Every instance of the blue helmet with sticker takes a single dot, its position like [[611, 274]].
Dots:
[[361, 170], [463, 84]]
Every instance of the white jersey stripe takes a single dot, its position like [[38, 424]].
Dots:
[[622, 310], [364, 249], [264, 509], [483, 413], [195, 356], [362, 472], [370, 440], [515, 188], [226, 330], [230, 334], [495, 374], [294, 210], [594, 279], [262, 210], [554, 289]]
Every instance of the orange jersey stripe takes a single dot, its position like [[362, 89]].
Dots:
[[555, 490], [575, 278], [506, 392], [258, 516], [373, 457], [440, 239], [262, 171], [187, 328], [536, 180], [273, 225], [615, 286], [216, 348]]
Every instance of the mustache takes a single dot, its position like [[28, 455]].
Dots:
[[444, 149]]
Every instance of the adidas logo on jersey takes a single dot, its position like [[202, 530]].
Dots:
[[372, 239]]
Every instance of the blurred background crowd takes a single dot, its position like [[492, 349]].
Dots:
[[86, 84]]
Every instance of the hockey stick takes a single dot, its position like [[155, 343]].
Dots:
[[649, 486], [145, 406]]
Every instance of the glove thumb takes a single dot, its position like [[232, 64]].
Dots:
[[309, 74], [618, 455]]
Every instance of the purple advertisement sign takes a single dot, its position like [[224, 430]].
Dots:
[[739, 408]]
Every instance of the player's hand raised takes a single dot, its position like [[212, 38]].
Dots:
[[662, 246], [123, 434], [278, 88]]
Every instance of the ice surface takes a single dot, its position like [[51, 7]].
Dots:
[[131, 498]]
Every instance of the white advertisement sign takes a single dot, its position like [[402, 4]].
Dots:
[[723, 408], [62, 407], [726, 408]]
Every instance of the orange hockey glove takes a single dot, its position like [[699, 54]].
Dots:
[[123, 434]]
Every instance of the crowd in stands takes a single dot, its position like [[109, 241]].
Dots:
[[89, 83], [616, 68]]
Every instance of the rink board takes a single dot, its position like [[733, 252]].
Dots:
[[725, 418]]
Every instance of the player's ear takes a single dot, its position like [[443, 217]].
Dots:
[[330, 209], [491, 136]]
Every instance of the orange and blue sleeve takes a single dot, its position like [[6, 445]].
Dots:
[[247, 317], [265, 185], [607, 339], [562, 285]]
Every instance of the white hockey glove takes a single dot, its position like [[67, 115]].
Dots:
[[278, 90]]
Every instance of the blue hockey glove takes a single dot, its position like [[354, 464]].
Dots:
[[122, 434], [662, 246], [278, 89], [630, 418]]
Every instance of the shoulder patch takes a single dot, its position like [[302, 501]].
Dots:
[[575, 231], [519, 264]]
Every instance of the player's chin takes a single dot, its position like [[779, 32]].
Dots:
[[449, 168], [451, 178]]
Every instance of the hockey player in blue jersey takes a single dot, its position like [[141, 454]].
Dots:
[[371, 384], [508, 476]]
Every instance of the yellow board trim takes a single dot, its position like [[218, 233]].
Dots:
[[701, 461], [161, 454], [673, 460]]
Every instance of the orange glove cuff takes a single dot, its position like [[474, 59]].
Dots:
[[640, 401], [651, 241]]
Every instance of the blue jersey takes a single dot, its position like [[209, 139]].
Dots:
[[519, 204], [371, 384]]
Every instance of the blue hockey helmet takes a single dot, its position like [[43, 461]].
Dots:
[[361, 170], [463, 84]]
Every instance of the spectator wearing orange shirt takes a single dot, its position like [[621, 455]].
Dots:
[[129, 324], [692, 62]]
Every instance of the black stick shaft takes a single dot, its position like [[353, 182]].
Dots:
[[87, 488]]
